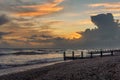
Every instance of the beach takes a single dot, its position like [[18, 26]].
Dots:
[[59, 39], [105, 68]]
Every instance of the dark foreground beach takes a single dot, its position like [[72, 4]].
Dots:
[[105, 68]]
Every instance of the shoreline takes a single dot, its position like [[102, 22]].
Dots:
[[27, 67], [105, 68]]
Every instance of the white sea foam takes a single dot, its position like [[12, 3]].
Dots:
[[9, 59]]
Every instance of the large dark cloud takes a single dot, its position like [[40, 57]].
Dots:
[[3, 19], [106, 35], [107, 26]]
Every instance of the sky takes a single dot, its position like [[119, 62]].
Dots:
[[59, 23]]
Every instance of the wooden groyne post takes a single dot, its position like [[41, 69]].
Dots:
[[101, 53], [82, 54], [73, 55], [91, 54], [64, 55], [111, 53]]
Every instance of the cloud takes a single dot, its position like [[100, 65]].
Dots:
[[10, 6], [84, 22], [34, 36], [113, 6], [106, 35], [3, 34], [18, 36], [72, 36], [3, 19], [40, 10], [116, 14], [54, 22], [113, 9], [41, 36]]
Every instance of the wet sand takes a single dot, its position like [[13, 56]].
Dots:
[[26, 68]]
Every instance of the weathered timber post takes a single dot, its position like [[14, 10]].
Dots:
[[82, 54], [111, 53], [91, 55], [101, 53], [64, 55], [73, 55]]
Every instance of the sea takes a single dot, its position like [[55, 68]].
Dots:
[[17, 57], [12, 57]]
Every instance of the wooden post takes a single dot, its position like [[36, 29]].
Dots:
[[73, 55], [91, 55], [82, 54], [101, 53], [111, 53], [64, 55]]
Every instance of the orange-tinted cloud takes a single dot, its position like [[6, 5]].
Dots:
[[114, 4], [113, 9], [72, 36], [116, 14], [84, 22], [40, 10], [53, 22]]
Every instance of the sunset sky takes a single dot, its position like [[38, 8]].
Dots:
[[49, 23]]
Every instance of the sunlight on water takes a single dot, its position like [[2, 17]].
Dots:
[[77, 52], [8, 58], [21, 59]]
